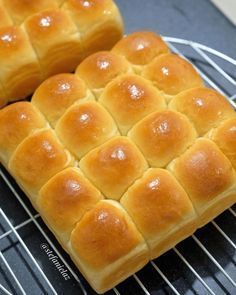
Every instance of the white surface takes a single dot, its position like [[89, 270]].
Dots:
[[228, 7]]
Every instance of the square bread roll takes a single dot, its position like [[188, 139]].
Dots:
[[208, 177], [161, 210], [113, 166], [107, 245], [48, 158]]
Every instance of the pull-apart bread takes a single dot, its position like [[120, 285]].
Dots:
[[125, 158], [41, 38]]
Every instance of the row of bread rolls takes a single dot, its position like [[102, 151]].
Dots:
[[62, 194], [166, 160], [41, 38]]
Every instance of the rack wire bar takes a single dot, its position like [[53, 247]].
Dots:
[[28, 252], [5, 290], [214, 260], [42, 231], [116, 291], [193, 271], [18, 226], [232, 211], [164, 278], [201, 50], [213, 64], [141, 284], [12, 274], [201, 46], [223, 234]]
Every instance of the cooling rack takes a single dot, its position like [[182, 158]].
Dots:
[[32, 262]]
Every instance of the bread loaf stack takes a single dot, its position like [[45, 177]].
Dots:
[[125, 158], [41, 38]]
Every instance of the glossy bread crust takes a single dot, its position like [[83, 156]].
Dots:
[[140, 48], [115, 163], [106, 242], [42, 38], [162, 136], [129, 98], [172, 74], [199, 103], [65, 198], [113, 166]]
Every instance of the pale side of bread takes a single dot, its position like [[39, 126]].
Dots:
[[42, 38], [122, 168]]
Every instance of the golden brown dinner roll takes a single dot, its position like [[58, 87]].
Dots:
[[17, 121], [208, 178], [172, 74], [19, 10], [225, 137], [56, 94], [42, 38], [100, 68], [140, 48], [85, 126], [107, 247], [52, 32], [5, 19], [205, 107], [129, 98], [64, 199], [113, 166], [162, 136], [20, 71], [98, 21], [161, 210], [37, 159]]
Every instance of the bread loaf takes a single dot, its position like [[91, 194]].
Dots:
[[41, 38], [122, 168]]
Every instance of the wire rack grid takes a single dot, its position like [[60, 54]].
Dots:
[[25, 266]]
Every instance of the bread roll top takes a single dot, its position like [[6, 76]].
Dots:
[[113, 166], [19, 10], [37, 159], [204, 171], [172, 74], [157, 203], [23, 74], [162, 136], [84, 127], [95, 236], [100, 68], [140, 48], [56, 94], [99, 23], [129, 98], [86, 13], [205, 107], [65, 198], [52, 32], [17, 121]]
